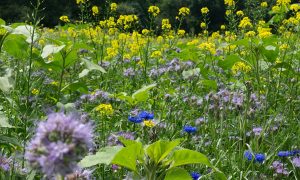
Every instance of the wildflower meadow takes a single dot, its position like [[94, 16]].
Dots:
[[104, 96]]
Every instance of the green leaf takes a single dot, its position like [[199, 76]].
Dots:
[[16, 46], [177, 174], [209, 84], [143, 93], [161, 149], [186, 156], [190, 73], [31, 175], [27, 31], [128, 156], [229, 61], [123, 96], [92, 66], [4, 121], [2, 22], [51, 49], [103, 156], [270, 52], [76, 86]]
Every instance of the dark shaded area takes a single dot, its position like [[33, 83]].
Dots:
[[17, 10]]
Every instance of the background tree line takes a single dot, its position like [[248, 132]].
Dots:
[[16, 10]]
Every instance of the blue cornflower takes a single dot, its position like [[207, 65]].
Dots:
[[189, 129], [260, 158], [248, 155], [285, 153], [195, 175], [135, 119], [295, 152], [146, 115]]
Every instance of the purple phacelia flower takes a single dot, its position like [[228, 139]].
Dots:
[[59, 143], [4, 163], [113, 139], [296, 162]]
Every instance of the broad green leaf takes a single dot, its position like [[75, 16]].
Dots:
[[103, 156], [143, 93], [270, 52], [229, 61], [92, 66], [83, 73], [177, 174], [51, 49], [76, 86], [191, 73], [161, 149], [209, 84], [123, 96], [128, 156], [16, 46], [27, 31], [126, 142], [4, 121], [218, 174], [186, 156], [2, 22]]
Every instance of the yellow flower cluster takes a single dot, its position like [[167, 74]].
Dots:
[[264, 4], [184, 11], [203, 25], [156, 54], [81, 1], [113, 6], [245, 22], [154, 10], [95, 10], [240, 13], [264, 32], [208, 46], [126, 21], [283, 46], [240, 67], [283, 2], [180, 32], [165, 24], [64, 19], [105, 109], [250, 34], [35, 91], [109, 23], [295, 7], [149, 123], [145, 31], [229, 2], [204, 10]]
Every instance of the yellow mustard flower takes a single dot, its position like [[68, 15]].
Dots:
[[184, 11], [204, 10], [64, 19], [240, 67], [35, 91], [165, 24], [203, 25], [156, 54], [283, 2], [240, 13], [154, 10], [229, 2], [245, 22], [264, 4], [95, 10], [180, 32], [295, 7], [113, 6], [105, 109], [149, 123], [223, 27]]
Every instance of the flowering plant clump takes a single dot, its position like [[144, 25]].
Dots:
[[59, 143]]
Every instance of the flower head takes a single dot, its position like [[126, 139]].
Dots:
[[154, 10], [296, 162], [284, 153], [248, 155], [113, 6], [95, 10], [135, 119], [105, 109], [189, 129], [195, 175], [204, 10], [64, 19], [184, 11], [59, 143], [260, 158]]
